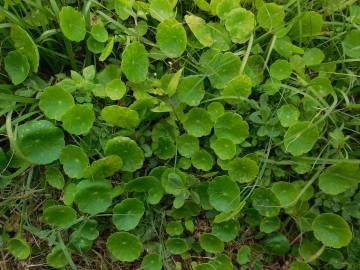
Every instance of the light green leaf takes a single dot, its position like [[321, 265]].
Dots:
[[200, 29], [135, 62], [72, 24], [240, 23], [124, 246], [17, 66], [78, 119], [120, 116]]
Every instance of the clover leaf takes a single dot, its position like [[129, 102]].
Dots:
[[120, 116], [127, 149], [224, 193], [135, 62], [40, 141], [231, 126], [60, 216], [339, 177], [54, 101], [74, 161], [127, 214], [332, 230], [72, 24], [78, 119], [124, 246], [171, 37]]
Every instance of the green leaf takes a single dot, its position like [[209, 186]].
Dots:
[[277, 244], [204, 266], [173, 181], [191, 90], [243, 170], [313, 57], [162, 10], [269, 224], [152, 261], [56, 258], [339, 178], [270, 16], [107, 50], [240, 23], [26, 45], [115, 89], [225, 149], [238, 89], [54, 177], [174, 228], [123, 8], [40, 141], [200, 29], [93, 197], [309, 24], [243, 255], [99, 32], [288, 115], [19, 248], [265, 201], [54, 101], [127, 214], [210, 243], [198, 122], [78, 119], [72, 24], [300, 138], [164, 148], [124, 246], [231, 126], [187, 145], [221, 68], [127, 149], [120, 116], [221, 38], [299, 266], [105, 167], [135, 62], [215, 109], [286, 193], [332, 230], [17, 66], [351, 44], [60, 216], [74, 161], [176, 246], [226, 231], [224, 194], [280, 70], [202, 160], [225, 6], [171, 38]]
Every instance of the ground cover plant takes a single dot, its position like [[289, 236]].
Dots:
[[166, 134]]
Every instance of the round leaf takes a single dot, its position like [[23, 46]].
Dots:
[[224, 194], [265, 201], [19, 248], [78, 119], [127, 214], [231, 126], [225, 149], [152, 262], [105, 167], [210, 243], [124, 246], [198, 122], [115, 89], [74, 161], [135, 62], [171, 38], [226, 231], [191, 90], [54, 177], [200, 29], [176, 246], [243, 170], [72, 24], [299, 266], [237, 89], [120, 116], [240, 23], [288, 115], [202, 160], [17, 66], [187, 145], [60, 216], [270, 16], [351, 44], [280, 69]]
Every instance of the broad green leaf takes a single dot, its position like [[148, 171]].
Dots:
[[280, 70], [204, 266], [56, 258], [171, 38], [99, 32], [277, 244], [332, 230], [202, 160], [40, 141], [19, 248], [124, 246], [224, 193], [300, 138], [127, 149], [135, 62], [152, 261], [225, 149], [240, 23], [243, 255], [162, 10], [95, 46], [313, 57], [299, 266], [93, 197], [174, 228], [74, 161], [237, 89], [176, 246], [107, 50], [191, 90], [17, 66], [104, 168], [286, 193], [123, 8], [26, 45], [351, 44], [270, 16], [72, 24], [200, 29], [225, 6], [215, 109], [222, 262], [265, 202], [339, 178], [60, 216], [54, 177], [120, 116], [164, 148], [226, 231], [187, 145], [221, 38], [173, 181], [269, 224], [198, 122], [243, 170], [210, 243], [221, 68], [309, 24], [127, 214], [54, 101], [115, 89], [288, 115], [231, 126], [78, 119]]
